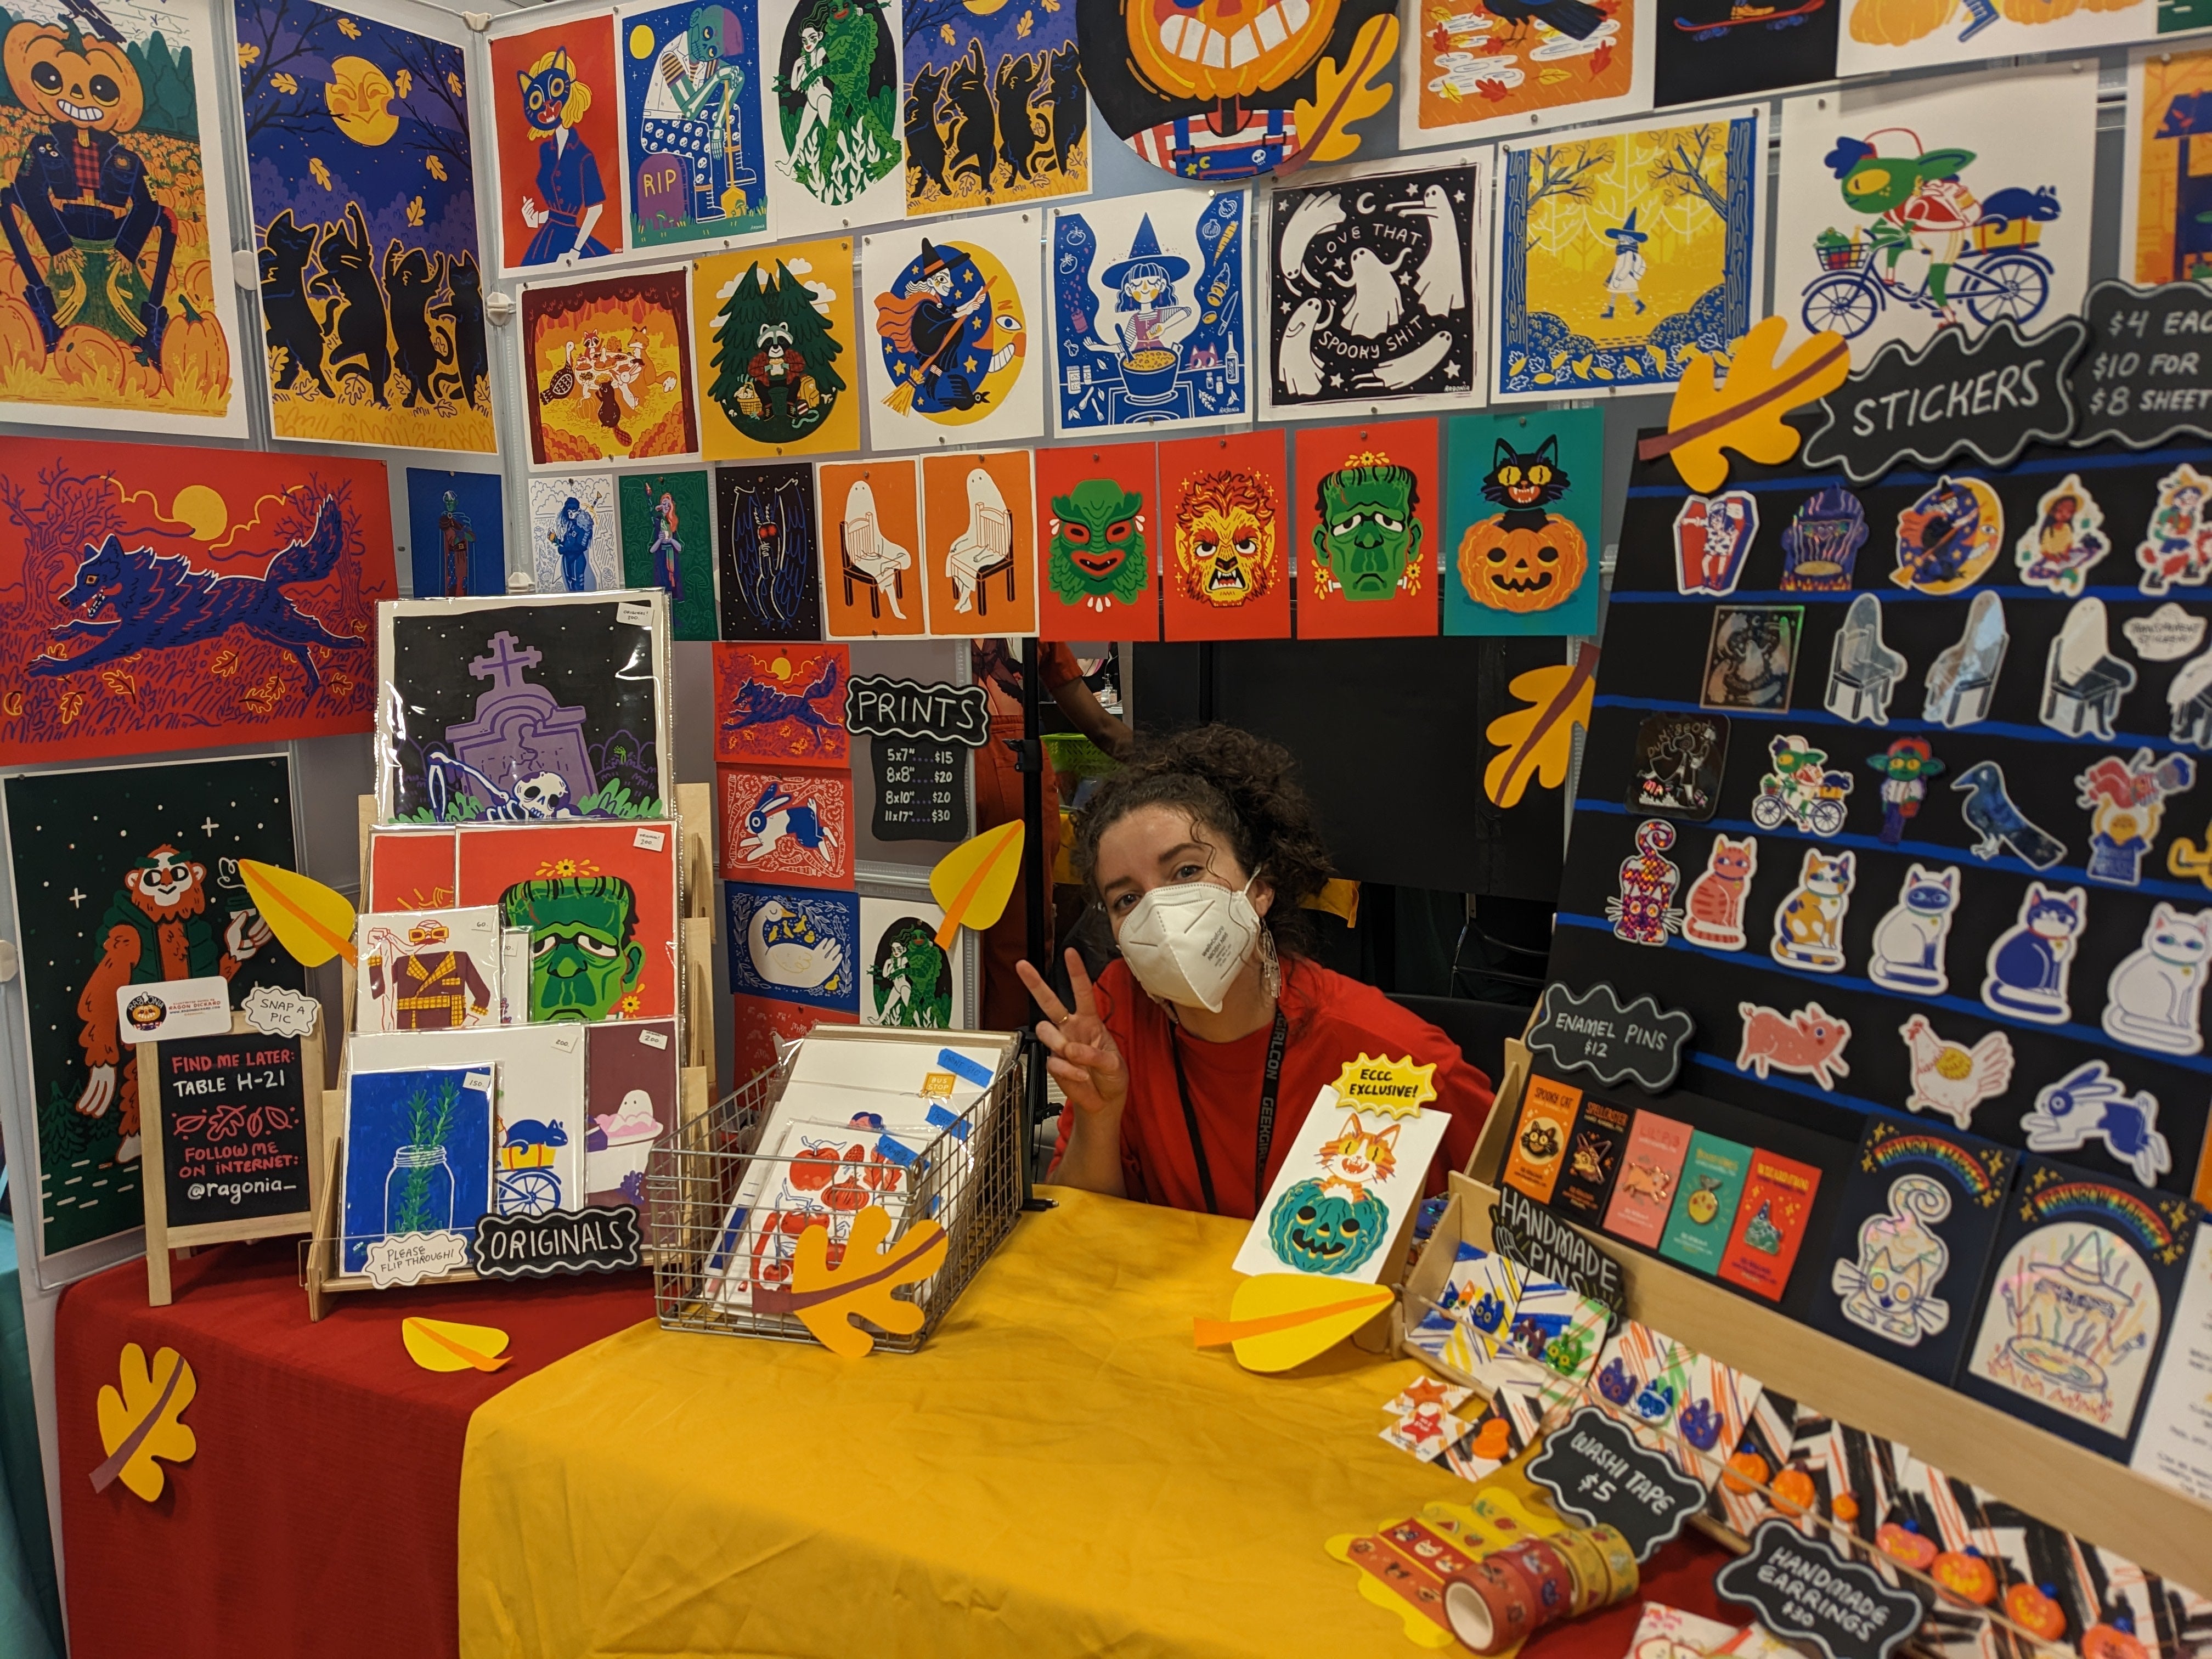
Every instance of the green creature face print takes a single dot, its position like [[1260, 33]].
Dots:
[[1097, 549], [583, 960], [1315, 1231], [1367, 543]]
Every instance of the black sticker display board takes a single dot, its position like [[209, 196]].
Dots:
[[1986, 964], [921, 789], [234, 1129]]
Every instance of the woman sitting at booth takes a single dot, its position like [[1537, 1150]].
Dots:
[[1190, 1065]]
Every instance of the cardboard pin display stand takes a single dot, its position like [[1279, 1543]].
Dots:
[[320, 1271]]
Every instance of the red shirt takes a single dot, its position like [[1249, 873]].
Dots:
[[1332, 1019]]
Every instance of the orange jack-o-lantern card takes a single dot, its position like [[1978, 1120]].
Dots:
[[1366, 518], [1098, 541], [872, 550], [978, 536], [1225, 538]]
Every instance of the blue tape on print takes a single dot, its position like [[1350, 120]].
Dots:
[[940, 1117], [965, 1068], [893, 1152]]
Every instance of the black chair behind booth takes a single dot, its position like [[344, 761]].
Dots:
[[1480, 1028]]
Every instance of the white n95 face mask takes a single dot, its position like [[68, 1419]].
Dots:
[[1187, 942]]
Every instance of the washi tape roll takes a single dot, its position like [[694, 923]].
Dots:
[[1586, 1562], [1489, 1607], [1549, 1579], [1620, 1562]]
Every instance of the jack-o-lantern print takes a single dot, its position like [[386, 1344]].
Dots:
[[1223, 89], [1320, 1229], [1527, 565]]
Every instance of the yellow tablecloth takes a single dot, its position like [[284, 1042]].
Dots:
[[1058, 1471]]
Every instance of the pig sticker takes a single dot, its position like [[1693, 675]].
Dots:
[[1809, 1042]]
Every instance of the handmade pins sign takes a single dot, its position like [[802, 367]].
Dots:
[[1599, 1474], [231, 1122], [1804, 1591], [1596, 1032], [916, 736], [2147, 374], [1548, 1248]]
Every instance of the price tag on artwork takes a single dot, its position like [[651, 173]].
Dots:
[[1597, 1473]]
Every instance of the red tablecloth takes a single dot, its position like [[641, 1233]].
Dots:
[[320, 1516]]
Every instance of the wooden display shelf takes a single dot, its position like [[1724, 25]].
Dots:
[[2041, 1474]]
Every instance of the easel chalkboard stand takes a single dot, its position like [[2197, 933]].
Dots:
[[158, 1104]]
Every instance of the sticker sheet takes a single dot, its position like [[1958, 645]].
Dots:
[[599, 902], [667, 523], [1880, 35], [909, 978], [1923, 205], [115, 315], [979, 544], [609, 368], [831, 107], [1148, 312], [786, 823], [1366, 529], [363, 179], [1099, 540], [1342, 1189], [1373, 294], [94, 914], [770, 568], [794, 945], [994, 111], [782, 706], [1225, 538], [2165, 236], [167, 595], [1710, 49], [557, 131], [774, 346], [872, 517], [696, 168], [418, 1154], [633, 1098], [1622, 249], [1215, 92], [1521, 547], [456, 532], [522, 708], [575, 534], [952, 308], [1466, 73]]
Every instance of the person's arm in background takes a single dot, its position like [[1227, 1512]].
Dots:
[[1083, 713]]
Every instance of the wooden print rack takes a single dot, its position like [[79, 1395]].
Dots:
[[695, 819]]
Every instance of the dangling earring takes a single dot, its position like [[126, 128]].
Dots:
[[1271, 966]]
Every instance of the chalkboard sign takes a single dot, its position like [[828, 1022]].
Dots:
[[2146, 375], [1598, 1474], [921, 789], [229, 1125], [1806, 1593]]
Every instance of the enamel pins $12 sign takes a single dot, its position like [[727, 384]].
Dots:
[[1595, 1033]]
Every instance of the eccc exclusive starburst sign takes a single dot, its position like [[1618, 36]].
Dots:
[[1396, 1088]]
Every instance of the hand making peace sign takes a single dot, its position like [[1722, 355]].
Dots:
[[1083, 1056]]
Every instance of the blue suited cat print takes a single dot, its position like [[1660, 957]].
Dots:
[[2029, 964]]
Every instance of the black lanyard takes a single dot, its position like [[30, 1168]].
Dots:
[[1265, 1137]]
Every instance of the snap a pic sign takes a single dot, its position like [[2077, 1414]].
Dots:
[[595, 1241], [877, 707], [1989, 397], [2146, 375], [1598, 1475], [1805, 1592], [1595, 1032]]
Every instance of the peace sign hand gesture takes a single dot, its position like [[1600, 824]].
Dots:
[[1083, 1056]]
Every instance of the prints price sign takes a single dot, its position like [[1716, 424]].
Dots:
[[1598, 1472], [233, 1129], [918, 736]]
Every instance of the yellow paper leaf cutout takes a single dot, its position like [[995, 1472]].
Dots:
[[827, 1299], [1277, 1321], [1744, 412], [1344, 95], [1537, 739], [313, 922], [972, 883], [139, 1423], [447, 1345]]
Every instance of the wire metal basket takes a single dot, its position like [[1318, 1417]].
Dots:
[[716, 1235], [1843, 256]]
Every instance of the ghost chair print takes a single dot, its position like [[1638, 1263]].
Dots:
[[2082, 681], [1862, 670], [1963, 675], [2189, 699], [985, 549], [866, 556]]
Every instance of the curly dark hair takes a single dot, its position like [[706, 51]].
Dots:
[[1241, 788]]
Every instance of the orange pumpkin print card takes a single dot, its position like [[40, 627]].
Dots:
[[1521, 530], [1366, 518]]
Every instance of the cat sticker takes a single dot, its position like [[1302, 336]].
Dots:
[[1909, 941], [2152, 999], [1714, 909], [2089, 1104], [2029, 964], [1347, 1180], [1809, 923], [1890, 1289], [1949, 1079], [1644, 913]]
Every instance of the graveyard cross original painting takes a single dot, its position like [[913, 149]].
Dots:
[[363, 183]]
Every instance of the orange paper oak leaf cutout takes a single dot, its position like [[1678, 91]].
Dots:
[[1744, 412], [827, 1299], [1343, 95], [1537, 739], [139, 1423]]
